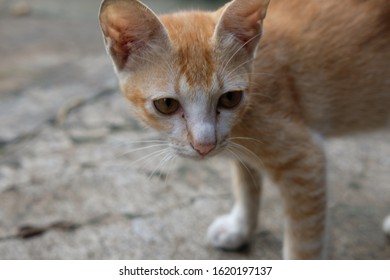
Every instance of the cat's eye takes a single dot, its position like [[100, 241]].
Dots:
[[166, 106], [230, 100]]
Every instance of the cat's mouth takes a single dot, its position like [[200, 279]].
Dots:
[[192, 153]]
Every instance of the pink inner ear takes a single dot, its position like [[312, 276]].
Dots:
[[250, 28], [129, 28], [253, 18], [120, 43], [244, 29], [243, 20], [121, 27]]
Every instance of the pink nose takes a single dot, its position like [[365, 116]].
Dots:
[[204, 149]]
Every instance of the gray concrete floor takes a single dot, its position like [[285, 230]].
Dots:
[[69, 191]]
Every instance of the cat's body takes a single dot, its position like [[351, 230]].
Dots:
[[329, 62], [321, 69]]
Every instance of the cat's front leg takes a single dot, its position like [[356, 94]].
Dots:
[[302, 179], [233, 230]]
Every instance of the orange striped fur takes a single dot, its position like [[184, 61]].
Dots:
[[321, 69]]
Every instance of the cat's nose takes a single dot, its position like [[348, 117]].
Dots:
[[204, 149]]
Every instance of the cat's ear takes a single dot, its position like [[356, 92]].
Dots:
[[241, 21], [131, 31]]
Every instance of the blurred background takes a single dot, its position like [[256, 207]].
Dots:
[[74, 186], [46, 43]]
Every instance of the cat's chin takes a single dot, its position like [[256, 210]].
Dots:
[[196, 157]]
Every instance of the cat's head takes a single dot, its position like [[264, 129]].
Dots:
[[185, 74]]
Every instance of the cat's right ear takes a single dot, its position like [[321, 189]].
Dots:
[[241, 20], [131, 31]]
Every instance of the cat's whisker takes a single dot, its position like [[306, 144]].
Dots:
[[126, 144], [256, 73], [169, 169], [141, 162], [245, 149], [163, 161], [141, 149], [243, 164], [151, 161], [248, 152], [242, 64], [160, 167], [246, 138], [146, 141], [149, 156], [236, 52], [258, 88]]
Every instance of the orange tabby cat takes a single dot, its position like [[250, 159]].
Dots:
[[322, 69]]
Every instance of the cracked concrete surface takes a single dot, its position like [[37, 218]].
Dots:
[[70, 187]]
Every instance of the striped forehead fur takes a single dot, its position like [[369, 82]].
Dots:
[[191, 34]]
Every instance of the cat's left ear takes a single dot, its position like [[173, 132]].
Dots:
[[131, 32], [241, 22]]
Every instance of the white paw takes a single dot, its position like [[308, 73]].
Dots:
[[386, 225], [229, 232]]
